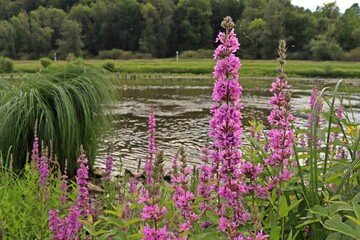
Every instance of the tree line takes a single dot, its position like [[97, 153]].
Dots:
[[32, 29]]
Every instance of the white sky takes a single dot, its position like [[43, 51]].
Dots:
[[312, 4]]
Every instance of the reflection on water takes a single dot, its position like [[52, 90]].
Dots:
[[182, 116]]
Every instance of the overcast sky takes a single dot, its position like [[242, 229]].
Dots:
[[311, 4]]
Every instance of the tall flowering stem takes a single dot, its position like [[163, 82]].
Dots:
[[41, 161], [182, 196], [83, 193], [108, 167], [67, 228], [281, 136], [226, 130], [150, 193]]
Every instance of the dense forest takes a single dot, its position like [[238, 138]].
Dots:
[[30, 29]]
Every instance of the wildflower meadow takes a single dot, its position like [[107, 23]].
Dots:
[[254, 182]]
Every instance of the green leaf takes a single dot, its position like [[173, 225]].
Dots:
[[335, 224], [135, 236], [357, 221], [132, 221], [356, 206], [319, 211], [294, 204], [334, 236], [97, 233], [283, 207], [97, 223], [88, 227], [115, 221], [308, 222], [275, 233]]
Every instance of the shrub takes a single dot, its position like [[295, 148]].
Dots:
[[324, 50], [353, 55], [45, 62], [121, 54], [109, 66], [197, 54], [6, 65], [110, 54]]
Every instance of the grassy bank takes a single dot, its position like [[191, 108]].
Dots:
[[250, 68]]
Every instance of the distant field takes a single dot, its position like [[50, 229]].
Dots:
[[250, 68]]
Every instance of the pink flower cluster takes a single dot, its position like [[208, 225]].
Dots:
[[155, 233], [182, 196], [225, 130], [41, 162], [67, 228], [281, 136], [225, 178], [205, 187], [83, 192], [152, 149], [149, 194]]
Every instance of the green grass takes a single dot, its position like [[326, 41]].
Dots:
[[250, 68], [67, 105]]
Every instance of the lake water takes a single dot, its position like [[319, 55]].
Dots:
[[182, 116]]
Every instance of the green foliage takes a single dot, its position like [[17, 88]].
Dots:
[[325, 50], [109, 66], [67, 105], [25, 205], [6, 65], [120, 54], [353, 55], [154, 40], [193, 23], [45, 62], [331, 175], [30, 30], [198, 54], [70, 41]]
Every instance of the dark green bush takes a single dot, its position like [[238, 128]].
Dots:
[[325, 50], [6, 65], [353, 55], [121, 54], [109, 66], [197, 54], [45, 62]]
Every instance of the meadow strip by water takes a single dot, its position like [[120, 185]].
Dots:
[[250, 68]]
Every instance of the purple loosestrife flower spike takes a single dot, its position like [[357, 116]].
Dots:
[[226, 130], [41, 162], [43, 168], [63, 189], [108, 167], [150, 193], [281, 136], [35, 150], [83, 192], [67, 228], [182, 196], [152, 149]]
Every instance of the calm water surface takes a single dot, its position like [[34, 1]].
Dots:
[[182, 117]]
